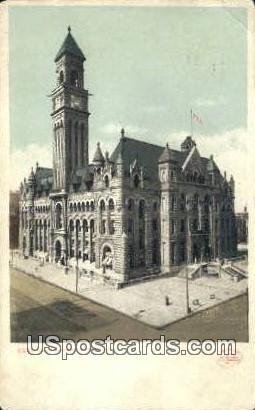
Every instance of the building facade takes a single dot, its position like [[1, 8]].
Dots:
[[14, 199], [142, 210]]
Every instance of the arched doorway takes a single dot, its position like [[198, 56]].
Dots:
[[57, 251], [107, 258]]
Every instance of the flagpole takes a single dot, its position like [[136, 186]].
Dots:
[[191, 122]]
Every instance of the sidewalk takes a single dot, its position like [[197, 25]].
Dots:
[[144, 301]]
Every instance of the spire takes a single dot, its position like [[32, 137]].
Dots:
[[122, 133], [165, 156], [70, 46], [98, 157]]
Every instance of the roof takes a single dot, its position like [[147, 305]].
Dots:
[[165, 156], [70, 46], [147, 155], [44, 177]]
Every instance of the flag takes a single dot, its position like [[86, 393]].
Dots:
[[196, 118]]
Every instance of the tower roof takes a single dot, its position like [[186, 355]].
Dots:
[[98, 157], [70, 46], [165, 156]]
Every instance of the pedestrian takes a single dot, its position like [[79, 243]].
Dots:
[[167, 300]]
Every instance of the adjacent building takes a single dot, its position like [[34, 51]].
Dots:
[[142, 210]]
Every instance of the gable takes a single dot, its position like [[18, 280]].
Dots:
[[193, 162]]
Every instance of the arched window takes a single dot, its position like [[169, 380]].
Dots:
[[75, 207], [106, 181], [92, 226], [71, 225], [83, 206], [111, 204], [102, 205], [85, 226], [92, 206], [79, 207], [74, 78], [58, 215], [78, 226], [136, 181], [87, 206]]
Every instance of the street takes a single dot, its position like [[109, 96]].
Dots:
[[39, 308]]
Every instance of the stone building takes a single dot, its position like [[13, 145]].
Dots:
[[142, 210]]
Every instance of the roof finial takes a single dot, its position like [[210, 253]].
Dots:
[[122, 133], [69, 29]]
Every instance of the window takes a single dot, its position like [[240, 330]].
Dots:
[[154, 224], [61, 77], [173, 203], [92, 226], [71, 226], [111, 227], [173, 253], [136, 181], [173, 226], [130, 204], [87, 206], [182, 226], [106, 181], [74, 78], [111, 204], [92, 206], [155, 206], [103, 226], [130, 225], [195, 225], [85, 226], [58, 216], [195, 201], [83, 206], [102, 206], [76, 144], [141, 209]]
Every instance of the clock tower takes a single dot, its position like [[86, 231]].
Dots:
[[69, 114]]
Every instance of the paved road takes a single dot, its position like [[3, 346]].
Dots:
[[39, 308]]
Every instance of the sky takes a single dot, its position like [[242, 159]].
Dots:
[[146, 67]]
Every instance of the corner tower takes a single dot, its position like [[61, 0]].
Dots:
[[69, 114]]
